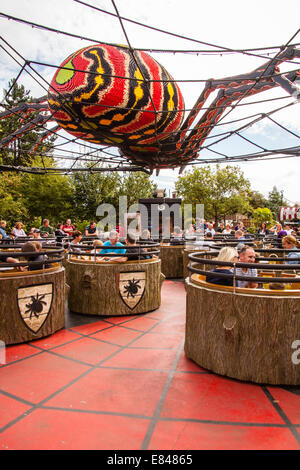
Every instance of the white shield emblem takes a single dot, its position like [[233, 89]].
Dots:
[[34, 303], [132, 287]]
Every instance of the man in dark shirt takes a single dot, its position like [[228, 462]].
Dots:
[[91, 230], [133, 251]]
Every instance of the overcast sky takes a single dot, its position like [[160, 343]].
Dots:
[[227, 24]]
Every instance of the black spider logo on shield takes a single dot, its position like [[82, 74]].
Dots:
[[36, 306], [132, 288]]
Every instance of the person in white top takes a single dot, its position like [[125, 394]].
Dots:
[[18, 230], [227, 229], [288, 229], [210, 229]]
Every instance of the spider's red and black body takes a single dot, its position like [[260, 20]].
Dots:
[[110, 95], [98, 106]]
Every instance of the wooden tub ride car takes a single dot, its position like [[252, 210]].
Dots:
[[246, 334], [32, 303], [110, 288]]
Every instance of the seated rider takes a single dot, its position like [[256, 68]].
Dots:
[[68, 228], [97, 244], [3, 231], [111, 243], [291, 243], [77, 236], [91, 230], [133, 251], [45, 229], [247, 255], [225, 254], [30, 247]]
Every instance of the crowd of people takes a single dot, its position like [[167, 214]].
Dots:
[[59, 232], [104, 244], [112, 249], [232, 255]]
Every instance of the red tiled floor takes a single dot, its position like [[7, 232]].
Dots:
[[117, 391], [288, 402], [90, 328], [183, 435], [19, 351], [38, 377], [87, 350], [169, 327], [53, 429], [117, 335], [10, 409], [210, 397], [143, 359], [151, 340], [87, 414], [121, 319], [58, 338], [142, 323], [187, 365]]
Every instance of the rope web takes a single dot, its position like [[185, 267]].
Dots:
[[231, 131]]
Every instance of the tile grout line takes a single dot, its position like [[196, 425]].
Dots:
[[281, 413], [15, 397], [161, 400], [94, 367]]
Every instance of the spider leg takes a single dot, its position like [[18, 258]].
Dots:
[[42, 137], [40, 104], [287, 83], [33, 313], [233, 89], [224, 99], [37, 121]]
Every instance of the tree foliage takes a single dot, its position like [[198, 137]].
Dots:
[[256, 199], [223, 191], [90, 189], [18, 152], [262, 214], [136, 186], [47, 196], [12, 207], [275, 201]]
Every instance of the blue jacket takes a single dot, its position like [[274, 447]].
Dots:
[[3, 233]]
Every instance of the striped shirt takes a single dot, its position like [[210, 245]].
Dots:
[[250, 272]]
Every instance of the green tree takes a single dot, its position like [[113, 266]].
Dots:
[[12, 207], [256, 199], [18, 152], [92, 189], [136, 186], [47, 196], [262, 214], [223, 191], [275, 201]]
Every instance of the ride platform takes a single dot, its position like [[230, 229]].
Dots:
[[125, 383]]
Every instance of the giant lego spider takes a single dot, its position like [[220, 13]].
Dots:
[[109, 95]]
